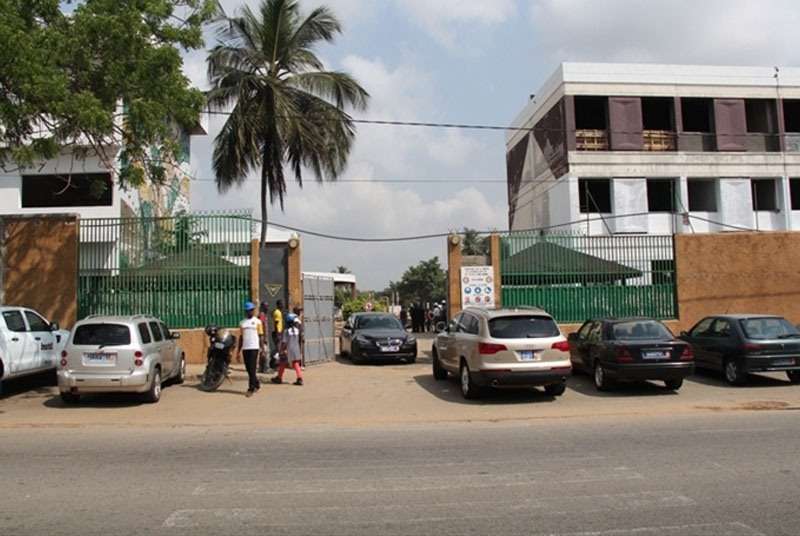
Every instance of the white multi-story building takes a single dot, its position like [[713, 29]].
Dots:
[[657, 149]]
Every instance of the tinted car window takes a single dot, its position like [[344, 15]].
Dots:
[[144, 333], [595, 334], [157, 336], [378, 322], [471, 325], [14, 321], [768, 328], [522, 327], [165, 331], [584, 331], [702, 328], [102, 335], [36, 322], [721, 328], [640, 329]]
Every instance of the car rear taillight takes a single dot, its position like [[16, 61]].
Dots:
[[624, 355], [687, 354], [488, 348], [138, 361], [561, 345], [752, 347], [64, 356]]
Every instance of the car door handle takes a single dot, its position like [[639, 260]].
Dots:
[[38, 338], [15, 339]]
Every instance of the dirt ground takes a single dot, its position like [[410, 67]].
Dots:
[[341, 394]]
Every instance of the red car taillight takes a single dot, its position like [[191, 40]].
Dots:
[[64, 356], [624, 355], [561, 345], [687, 354], [487, 348], [138, 361]]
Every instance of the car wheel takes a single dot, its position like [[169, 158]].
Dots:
[[354, 359], [674, 385], [794, 376], [601, 381], [153, 395], [734, 374], [181, 377], [555, 389], [439, 373], [70, 398], [468, 389]]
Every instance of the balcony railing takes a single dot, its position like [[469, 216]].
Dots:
[[660, 140], [591, 140]]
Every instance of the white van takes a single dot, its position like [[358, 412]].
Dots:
[[29, 344]]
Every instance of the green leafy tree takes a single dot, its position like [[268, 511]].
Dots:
[[473, 244], [95, 74], [287, 108], [425, 282], [359, 304]]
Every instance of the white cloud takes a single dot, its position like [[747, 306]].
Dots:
[[443, 19], [738, 32]]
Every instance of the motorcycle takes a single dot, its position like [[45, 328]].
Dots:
[[219, 358]]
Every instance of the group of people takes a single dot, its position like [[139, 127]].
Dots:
[[287, 339], [423, 318]]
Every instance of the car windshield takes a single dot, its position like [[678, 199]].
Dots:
[[523, 327], [769, 328], [102, 335], [378, 322], [640, 329]]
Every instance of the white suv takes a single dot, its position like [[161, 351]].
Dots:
[[29, 344], [133, 354]]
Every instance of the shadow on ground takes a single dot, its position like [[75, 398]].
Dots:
[[584, 385], [716, 379], [450, 391], [33, 386]]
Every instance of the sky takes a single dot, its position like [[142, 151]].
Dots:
[[477, 62]]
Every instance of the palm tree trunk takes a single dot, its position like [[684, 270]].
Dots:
[[264, 194]]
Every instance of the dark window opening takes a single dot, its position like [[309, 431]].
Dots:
[[661, 195], [697, 114], [657, 113], [102, 335], [157, 336], [591, 113], [760, 115], [77, 190], [794, 191], [144, 333], [702, 195], [595, 196], [522, 327], [663, 272], [764, 194], [791, 115]]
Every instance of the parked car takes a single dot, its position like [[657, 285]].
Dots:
[[29, 344], [503, 348], [630, 349], [739, 345], [371, 336], [109, 354]]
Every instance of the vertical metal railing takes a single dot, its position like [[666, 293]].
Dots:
[[576, 277], [188, 270]]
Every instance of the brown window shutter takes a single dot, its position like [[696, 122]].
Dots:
[[625, 121], [730, 124], [515, 165]]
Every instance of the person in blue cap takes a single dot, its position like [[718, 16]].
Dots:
[[251, 344]]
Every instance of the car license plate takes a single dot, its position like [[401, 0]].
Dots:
[[783, 363], [389, 349], [219, 346], [100, 358], [527, 355], [655, 354]]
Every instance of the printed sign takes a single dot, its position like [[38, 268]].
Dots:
[[477, 286]]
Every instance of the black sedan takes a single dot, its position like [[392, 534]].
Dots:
[[377, 336], [739, 345], [632, 349]]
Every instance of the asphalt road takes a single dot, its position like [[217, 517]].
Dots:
[[732, 474]]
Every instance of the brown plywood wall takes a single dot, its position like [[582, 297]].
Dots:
[[738, 273], [40, 265]]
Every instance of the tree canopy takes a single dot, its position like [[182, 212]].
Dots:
[[91, 74], [287, 109], [473, 243], [424, 282]]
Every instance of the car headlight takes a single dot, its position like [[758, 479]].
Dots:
[[411, 340], [362, 340]]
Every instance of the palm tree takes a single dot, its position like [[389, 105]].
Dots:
[[342, 270], [473, 244], [287, 108]]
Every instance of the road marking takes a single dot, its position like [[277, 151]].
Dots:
[[415, 484], [399, 514], [701, 529]]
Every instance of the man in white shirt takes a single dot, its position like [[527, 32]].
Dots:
[[251, 342]]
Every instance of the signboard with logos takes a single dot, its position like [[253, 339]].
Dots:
[[477, 286]]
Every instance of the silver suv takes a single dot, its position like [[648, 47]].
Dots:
[[511, 348], [109, 354]]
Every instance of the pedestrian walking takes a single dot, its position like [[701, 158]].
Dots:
[[298, 312], [251, 343], [290, 351], [277, 327], [428, 318]]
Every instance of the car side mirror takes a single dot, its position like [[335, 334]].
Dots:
[[54, 326], [572, 337], [175, 336]]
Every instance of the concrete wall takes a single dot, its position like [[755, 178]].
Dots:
[[40, 265]]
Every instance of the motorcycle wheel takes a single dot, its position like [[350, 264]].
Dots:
[[213, 377]]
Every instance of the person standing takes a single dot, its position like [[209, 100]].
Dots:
[[277, 326], [290, 351], [298, 312], [404, 316], [251, 343], [263, 357]]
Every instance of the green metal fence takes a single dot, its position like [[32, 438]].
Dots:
[[189, 271], [576, 277]]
